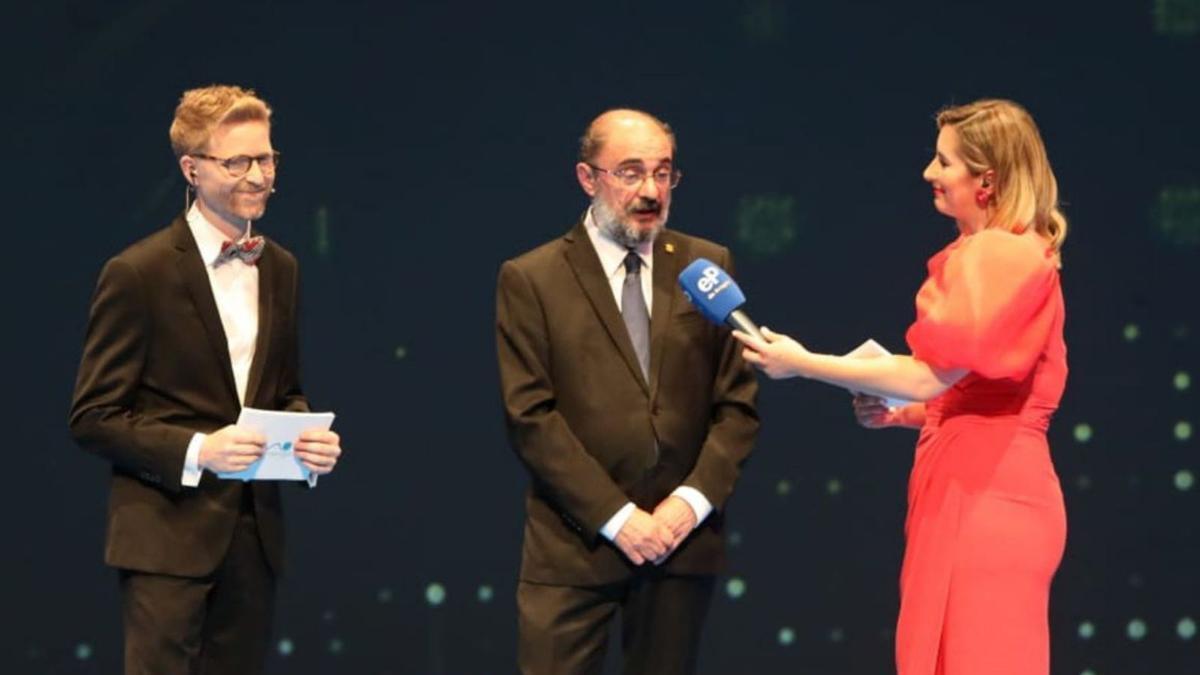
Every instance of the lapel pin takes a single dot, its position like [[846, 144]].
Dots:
[[670, 247]]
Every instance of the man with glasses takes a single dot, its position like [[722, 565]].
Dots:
[[631, 412], [186, 327]]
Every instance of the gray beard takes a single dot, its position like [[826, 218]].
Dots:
[[619, 230]]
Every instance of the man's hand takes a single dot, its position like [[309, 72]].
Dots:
[[644, 538], [319, 449], [231, 449], [677, 516]]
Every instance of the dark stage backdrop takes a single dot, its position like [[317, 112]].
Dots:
[[424, 144]]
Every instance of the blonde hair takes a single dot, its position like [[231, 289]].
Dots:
[[201, 111], [1000, 135]]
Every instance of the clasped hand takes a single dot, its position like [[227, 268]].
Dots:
[[654, 536]]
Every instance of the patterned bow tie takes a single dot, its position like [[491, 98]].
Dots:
[[248, 249]]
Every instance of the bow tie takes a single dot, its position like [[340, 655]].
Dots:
[[249, 249]]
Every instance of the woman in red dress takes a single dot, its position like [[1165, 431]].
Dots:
[[986, 525]]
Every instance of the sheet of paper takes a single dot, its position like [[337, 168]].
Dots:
[[282, 429], [869, 350]]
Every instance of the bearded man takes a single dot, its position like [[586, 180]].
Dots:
[[632, 414]]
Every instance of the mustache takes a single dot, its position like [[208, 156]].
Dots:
[[645, 205]]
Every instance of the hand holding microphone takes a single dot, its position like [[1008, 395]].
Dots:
[[776, 354], [720, 300]]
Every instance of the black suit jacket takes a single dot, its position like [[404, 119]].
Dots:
[[591, 430], [156, 370]]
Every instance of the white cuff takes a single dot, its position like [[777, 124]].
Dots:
[[614, 524], [191, 462], [695, 499]]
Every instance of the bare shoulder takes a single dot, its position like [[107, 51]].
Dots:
[[998, 246]]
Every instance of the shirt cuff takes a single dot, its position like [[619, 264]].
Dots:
[[695, 499], [614, 524], [191, 462]]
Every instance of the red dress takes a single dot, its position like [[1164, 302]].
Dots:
[[986, 525]]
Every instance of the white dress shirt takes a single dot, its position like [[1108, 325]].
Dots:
[[235, 289], [612, 261]]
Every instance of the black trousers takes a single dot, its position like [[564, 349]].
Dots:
[[564, 629], [214, 625]]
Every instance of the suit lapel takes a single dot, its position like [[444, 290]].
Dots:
[[668, 261], [585, 263], [266, 303], [195, 278]]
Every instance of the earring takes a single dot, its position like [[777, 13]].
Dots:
[[982, 197]]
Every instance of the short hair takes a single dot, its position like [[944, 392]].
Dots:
[[1001, 135], [201, 111], [592, 140]]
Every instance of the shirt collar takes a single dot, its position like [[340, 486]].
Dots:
[[612, 255], [208, 237]]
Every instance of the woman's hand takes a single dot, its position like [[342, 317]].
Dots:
[[873, 412], [777, 355]]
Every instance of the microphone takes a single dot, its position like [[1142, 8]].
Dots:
[[716, 295]]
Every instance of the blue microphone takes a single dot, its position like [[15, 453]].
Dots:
[[716, 295]]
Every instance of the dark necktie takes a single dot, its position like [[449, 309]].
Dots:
[[249, 249], [633, 310]]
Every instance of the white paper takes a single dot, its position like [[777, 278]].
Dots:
[[869, 350], [282, 429]]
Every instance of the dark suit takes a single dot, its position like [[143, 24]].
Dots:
[[155, 370], [594, 434]]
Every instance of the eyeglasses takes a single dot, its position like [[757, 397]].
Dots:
[[634, 176], [239, 165]]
